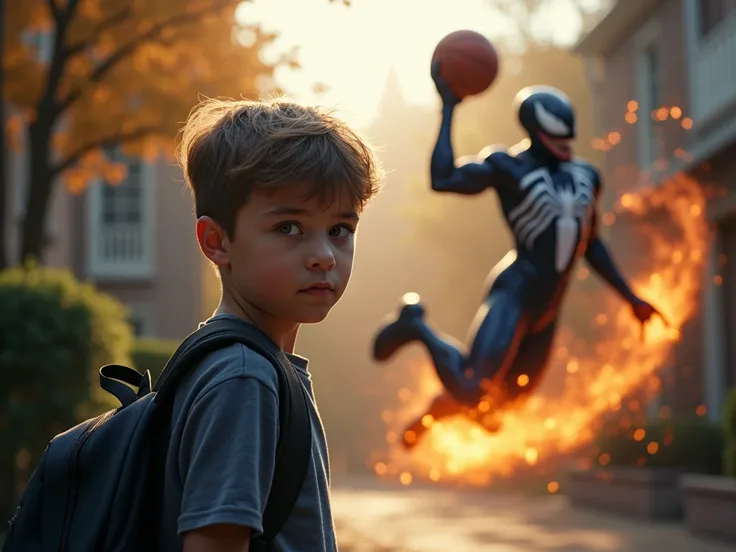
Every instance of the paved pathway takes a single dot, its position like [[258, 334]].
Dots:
[[371, 517]]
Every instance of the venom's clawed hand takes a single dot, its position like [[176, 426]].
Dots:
[[644, 312]]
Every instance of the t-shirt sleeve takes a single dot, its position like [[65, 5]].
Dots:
[[227, 455]]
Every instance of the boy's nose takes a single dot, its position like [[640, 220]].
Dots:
[[321, 258]]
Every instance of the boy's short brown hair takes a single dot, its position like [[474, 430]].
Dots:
[[229, 148]]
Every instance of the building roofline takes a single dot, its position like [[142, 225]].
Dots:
[[624, 14]]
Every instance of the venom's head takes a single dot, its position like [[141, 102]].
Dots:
[[548, 116]]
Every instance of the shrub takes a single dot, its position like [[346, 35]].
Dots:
[[692, 445], [729, 459], [729, 415], [729, 431], [55, 333], [152, 354]]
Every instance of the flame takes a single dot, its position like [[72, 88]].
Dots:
[[598, 379]]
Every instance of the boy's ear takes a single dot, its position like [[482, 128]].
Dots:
[[211, 238]]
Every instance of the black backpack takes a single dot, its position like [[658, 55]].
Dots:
[[99, 485]]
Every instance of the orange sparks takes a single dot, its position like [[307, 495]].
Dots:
[[531, 456]]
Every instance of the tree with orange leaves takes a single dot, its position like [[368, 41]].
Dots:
[[84, 76]]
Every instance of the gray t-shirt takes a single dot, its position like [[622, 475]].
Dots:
[[222, 454]]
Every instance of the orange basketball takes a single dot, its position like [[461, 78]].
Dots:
[[468, 62]]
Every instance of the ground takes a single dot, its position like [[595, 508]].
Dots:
[[372, 517]]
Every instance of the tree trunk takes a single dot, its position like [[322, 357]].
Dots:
[[33, 240], [4, 196]]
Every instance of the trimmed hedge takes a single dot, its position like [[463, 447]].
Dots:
[[729, 433], [692, 445], [55, 334]]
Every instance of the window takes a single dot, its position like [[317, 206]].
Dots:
[[121, 222], [122, 203], [653, 98], [651, 63], [712, 13], [650, 98]]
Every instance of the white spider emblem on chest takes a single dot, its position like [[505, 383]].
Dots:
[[545, 203]]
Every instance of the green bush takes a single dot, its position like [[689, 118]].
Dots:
[[152, 354], [729, 416], [729, 459], [55, 333], [692, 445], [729, 432]]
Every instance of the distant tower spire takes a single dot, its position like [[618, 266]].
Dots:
[[393, 103]]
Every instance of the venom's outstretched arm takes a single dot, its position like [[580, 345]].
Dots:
[[600, 260], [467, 178]]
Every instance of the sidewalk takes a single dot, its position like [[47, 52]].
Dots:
[[374, 518]]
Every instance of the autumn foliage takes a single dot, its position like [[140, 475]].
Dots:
[[85, 76]]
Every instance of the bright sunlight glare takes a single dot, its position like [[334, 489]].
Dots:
[[352, 49]]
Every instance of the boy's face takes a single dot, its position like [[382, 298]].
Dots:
[[289, 257]]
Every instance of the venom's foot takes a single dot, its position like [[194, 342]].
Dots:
[[398, 333]]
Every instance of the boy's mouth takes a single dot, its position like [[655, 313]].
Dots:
[[319, 288]]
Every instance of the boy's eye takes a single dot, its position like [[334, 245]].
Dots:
[[341, 231], [288, 228]]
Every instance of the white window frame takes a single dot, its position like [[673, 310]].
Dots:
[[647, 39], [100, 268]]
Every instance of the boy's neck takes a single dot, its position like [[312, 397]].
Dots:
[[283, 334]]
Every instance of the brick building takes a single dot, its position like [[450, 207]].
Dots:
[[679, 53]]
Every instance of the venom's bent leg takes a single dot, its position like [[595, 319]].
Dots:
[[446, 354], [531, 361], [500, 326]]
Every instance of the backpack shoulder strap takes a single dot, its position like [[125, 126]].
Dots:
[[294, 448]]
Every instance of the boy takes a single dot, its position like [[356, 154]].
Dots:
[[278, 189]]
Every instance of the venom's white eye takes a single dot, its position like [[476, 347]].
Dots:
[[550, 123]]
